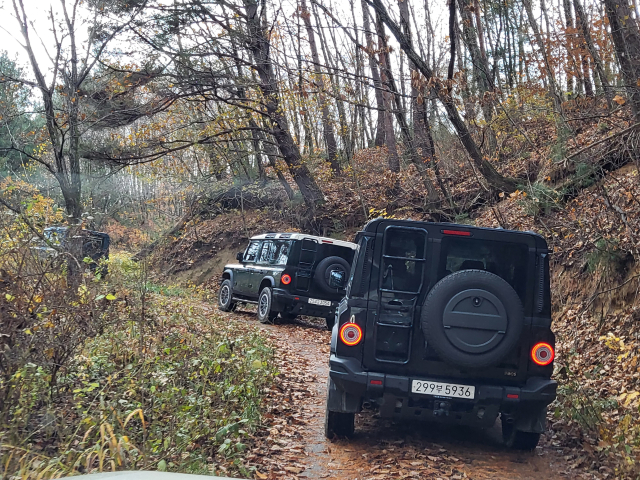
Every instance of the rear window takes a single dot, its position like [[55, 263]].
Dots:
[[507, 260], [403, 259], [55, 235], [333, 250]]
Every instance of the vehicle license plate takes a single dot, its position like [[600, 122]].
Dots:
[[316, 301], [428, 387]]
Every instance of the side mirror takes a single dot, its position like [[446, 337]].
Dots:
[[337, 279], [239, 256]]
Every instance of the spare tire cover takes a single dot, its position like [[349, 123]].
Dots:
[[472, 318], [324, 269]]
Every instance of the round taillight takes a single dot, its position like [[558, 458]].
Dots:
[[351, 334], [542, 354], [286, 279]]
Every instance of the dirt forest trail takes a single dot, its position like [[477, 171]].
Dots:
[[292, 444]]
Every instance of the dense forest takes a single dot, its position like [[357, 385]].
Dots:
[[182, 128]]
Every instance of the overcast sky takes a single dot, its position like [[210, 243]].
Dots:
[[40, 31], [10, 31]]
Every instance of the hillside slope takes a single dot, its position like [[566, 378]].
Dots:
[[589, 211]]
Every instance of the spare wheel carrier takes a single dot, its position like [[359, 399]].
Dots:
[[472, 318]]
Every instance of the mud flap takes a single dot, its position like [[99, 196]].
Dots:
[[532, 419], [340, 401]]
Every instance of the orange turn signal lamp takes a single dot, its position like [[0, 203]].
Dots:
[[351, 334], [542, 354]]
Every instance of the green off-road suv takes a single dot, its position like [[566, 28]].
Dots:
[[445, 322], [288, 274]]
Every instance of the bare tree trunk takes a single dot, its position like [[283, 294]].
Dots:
[[493, 177], [403, 90], [452, 39], [626, 40], [547, 23], [434, 165], [523, 65], [255, 139], [553, 86], [380, 129], [300, 86], [483, 52], [507, 56], [586, 75], [71, 65], [259, 46], [64, 140], [423, 155], [358, 88], [566, 4], [334, 79], [390, 136], [327, 127], [270, 150], [480, 68], [586, 33]]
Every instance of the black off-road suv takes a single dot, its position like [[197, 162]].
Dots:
[[445, 322], [95, 246], [289, 274]]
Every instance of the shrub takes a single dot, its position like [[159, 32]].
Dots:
[[193, 395], [608, 255], [119, 372], [43, 319], [540, 199]]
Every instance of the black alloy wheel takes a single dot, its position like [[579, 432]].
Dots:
[[265, 315], [338, 424], [288, 317], [517, 440], [330, 322], [225, 297]]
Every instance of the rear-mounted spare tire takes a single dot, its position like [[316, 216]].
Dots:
[[324, 269], [472, 319]]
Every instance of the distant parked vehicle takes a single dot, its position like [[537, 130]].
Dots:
[[289, 274], [95, 246]]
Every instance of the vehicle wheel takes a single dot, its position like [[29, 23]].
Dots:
[[330, 321], [324, 269], [518, 440], [225, 302], [288, 317], [339, 424], [265, 315], [472, 318]]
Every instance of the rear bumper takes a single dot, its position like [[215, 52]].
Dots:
[[283, 301], [352, 387]]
